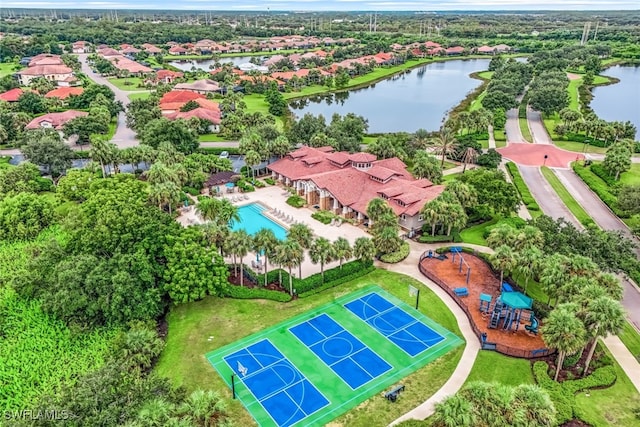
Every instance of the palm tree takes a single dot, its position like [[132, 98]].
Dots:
[[342, 249], [445, 143], [536, 404], [302, 234], [252, 158], [454, 411], [604, 316], [529, 236], [456, 217], [290, 254], [431, 213], [503, 259], [363, 249], [421, 138], [265, 241], [386, 240], [216, 234], [102, 151], [611, 284], [528, 263], [321, 251], [376, 208], [563, 331], [501, 234], [165, 194], [241, 244], [159, 173], [208, 208], [466, 195], [469, 155], [553, 274]]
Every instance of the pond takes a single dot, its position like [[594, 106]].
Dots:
[[620, 101], [206, 63], [418, 98]]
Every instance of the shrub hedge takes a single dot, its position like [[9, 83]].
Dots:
[[597, 169], [218, 150], [270, 181], [193, 191], [338, 281], [563, 394], [351, 269], [240, 292], [324, 217], [522, 188], [598, 186], [296, 201], [398, 256], [427, 238]]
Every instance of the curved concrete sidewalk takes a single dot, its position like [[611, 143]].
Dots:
[[459, 376]]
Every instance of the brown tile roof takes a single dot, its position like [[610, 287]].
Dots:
[[180, 96], [326, 149], [339, 158], [57, 120], [381, 172], [201, 113], [204, 85], [362, 157], [45, 70]]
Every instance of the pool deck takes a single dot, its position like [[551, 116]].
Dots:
[[272, 197]]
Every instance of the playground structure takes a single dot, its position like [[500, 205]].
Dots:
[[508, 310], [500, 316]]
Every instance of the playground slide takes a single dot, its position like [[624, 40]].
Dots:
[[533, 328]]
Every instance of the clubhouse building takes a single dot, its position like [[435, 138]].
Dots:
[[345, 183]]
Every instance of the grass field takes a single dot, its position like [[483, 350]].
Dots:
[[477, 103], [312, 360], [256, 103], [612, 406], [7, 68], [632, 176], [211, 137], [578, 147], [228, 320], [566, 197], [631, 339], [475, 234], [129, 83], [492, 366], [112, 128], [500, 137], [574, 100], [141, 95], [451, 176]]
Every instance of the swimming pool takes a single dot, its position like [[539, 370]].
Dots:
[[252, 220]]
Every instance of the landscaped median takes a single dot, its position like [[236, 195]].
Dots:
[[571, 203], [525, 194]]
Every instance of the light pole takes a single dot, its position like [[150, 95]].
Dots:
[[546, 156], [584, 151]]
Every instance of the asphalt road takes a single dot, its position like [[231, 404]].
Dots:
[[538, 131], [512, 127], [124, 137]]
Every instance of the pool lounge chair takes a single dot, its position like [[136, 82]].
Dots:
[[246, 197], [338, 223]]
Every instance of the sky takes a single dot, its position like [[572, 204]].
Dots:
[[330, 5]]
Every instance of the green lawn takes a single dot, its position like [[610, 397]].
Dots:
[[475, 234], [631, 339], [9, 68], [524, 129], [488, 75], [500, 137], [256, 103], [369, 139], [632, 176], [578, 147], [141, 95], [451, 176], [112, 128], [612, 406], [212, 137], [129, 83], [227, 320], [477, 103], [574, 101], [484, 143], [492, 366], [566, 197]]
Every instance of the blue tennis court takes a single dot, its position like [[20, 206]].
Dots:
[[345, 354], [281, 389], [398, 326]]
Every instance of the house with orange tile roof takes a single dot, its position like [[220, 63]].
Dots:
[[485, 50], [80, 46], [345, 183], [164, 76], [174, 100], [64, 92], [55, 120], [11, 95], [133, 67]]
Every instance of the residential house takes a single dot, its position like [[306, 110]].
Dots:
[[204, 86], [174, 100], [177, 50], [129, 50], [11, 95], [55, 120], [211, 116], [45, 59], [109, 53], [485, 50], [166, 77], [64, 92], [81, 47], [133, 67], [502, 48], [345, 183], [55, 73], [454, 50]]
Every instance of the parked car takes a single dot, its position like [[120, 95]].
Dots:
[[224, 155]]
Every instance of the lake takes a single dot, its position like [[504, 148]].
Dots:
[[418, 98], [621, 101], [204, 64]]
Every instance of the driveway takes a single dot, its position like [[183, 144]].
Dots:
[[124, 137]]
